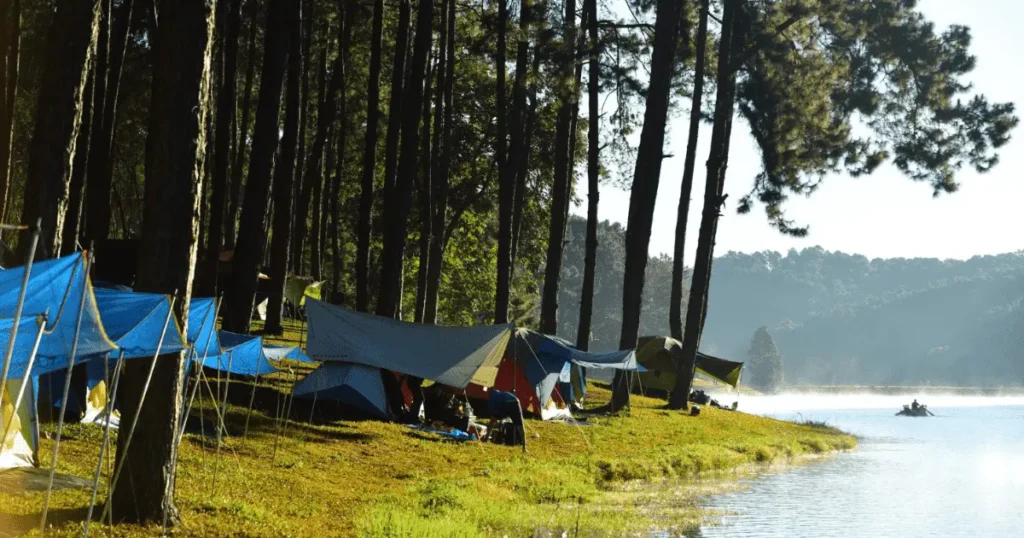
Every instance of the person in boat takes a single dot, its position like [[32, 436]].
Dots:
[[915, 406]]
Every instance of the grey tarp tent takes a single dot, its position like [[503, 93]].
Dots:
[[453, 356]]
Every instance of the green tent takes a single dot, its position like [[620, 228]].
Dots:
[[660, 355]]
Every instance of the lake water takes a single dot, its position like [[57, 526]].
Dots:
[[958, 474]]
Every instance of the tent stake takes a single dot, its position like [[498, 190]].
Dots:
[[135, 419], [67, 390]]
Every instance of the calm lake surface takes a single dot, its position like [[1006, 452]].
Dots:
[[960, 473]]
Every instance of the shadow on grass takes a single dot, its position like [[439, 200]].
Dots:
[[17, 525]]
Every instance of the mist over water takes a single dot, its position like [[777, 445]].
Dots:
[[960, 473]]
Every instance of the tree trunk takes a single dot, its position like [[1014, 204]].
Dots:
[[645, 184], [396, 211], [424, 193], [316, 233], [506, 181], [523, 163], [313, 180], [676, 298], [593, 176], [249, 248], [69, 47], [517, 135], [729, 48], [350, 12], [559, 200], [10, 49], [93, 127], [284, 171], [307, 192], [101, 166], [243, 136], [181, 55], [76, 192], [440, 183], [391, 138], [369, 163], [225, 124], [296, 259]]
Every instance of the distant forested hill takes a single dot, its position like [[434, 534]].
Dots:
[[837, 318]]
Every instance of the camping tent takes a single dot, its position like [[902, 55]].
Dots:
[[55, 288], [293, 353], [60, 289], [660, 355], [353, 385], [536, 363], [202, 327], [241, 354], [453, 356]]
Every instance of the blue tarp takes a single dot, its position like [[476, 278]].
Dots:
[[135, 322], [548, 360], [276, 353], [202, 327], [241, 355], [354, 385], [55, 287]]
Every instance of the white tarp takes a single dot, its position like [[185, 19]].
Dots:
[[20, 447], [454, 356]]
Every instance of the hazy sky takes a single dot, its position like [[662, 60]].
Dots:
[[885, 214]]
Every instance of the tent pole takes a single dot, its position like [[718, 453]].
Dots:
[[67, 390], [21, 304], [252, 400], [138, 410], [27, 377], [222, 428], [106, 435]]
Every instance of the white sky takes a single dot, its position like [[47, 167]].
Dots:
[[883, 215]]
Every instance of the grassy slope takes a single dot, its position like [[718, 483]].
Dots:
[[376, 479]]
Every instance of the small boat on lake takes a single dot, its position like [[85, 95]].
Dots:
[[919, 411]]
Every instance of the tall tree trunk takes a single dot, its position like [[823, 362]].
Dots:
[[675, 313], [181, 55], [101, 167], [350, 10], [517, 134], [249, 248], [284, 171], [391, 138], [226, 100], [443, 168], [305, 190], [69, 47], [729, 48], [296, 260], [93, 127], [593, 176], [76, 192], [424, 193], [243, 135], [315, 234], [396, 211], [645, 184], [506, 180], [315, 159], [10, 49], [523, 163], [559, 200], [366, 183]]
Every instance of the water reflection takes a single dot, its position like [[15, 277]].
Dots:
[[958, 474]]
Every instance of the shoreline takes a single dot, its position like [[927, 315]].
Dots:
[[903, 390], [608, 476]]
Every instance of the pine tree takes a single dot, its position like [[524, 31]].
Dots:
[[764, 362]]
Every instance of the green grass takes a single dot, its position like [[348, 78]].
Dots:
[[615, 476]]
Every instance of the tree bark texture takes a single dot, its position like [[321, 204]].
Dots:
[[729, 48], [506, 179], [645, 184], [423, 195], [366, 183], [676, 297], [243, 135], [284, 171], [349, 18], [440, 183], [396, 212], [10, 51], [391, 138], [76, 191], [145, 491], [69, 46], [593, 177], [559, 198], [241, 290]]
